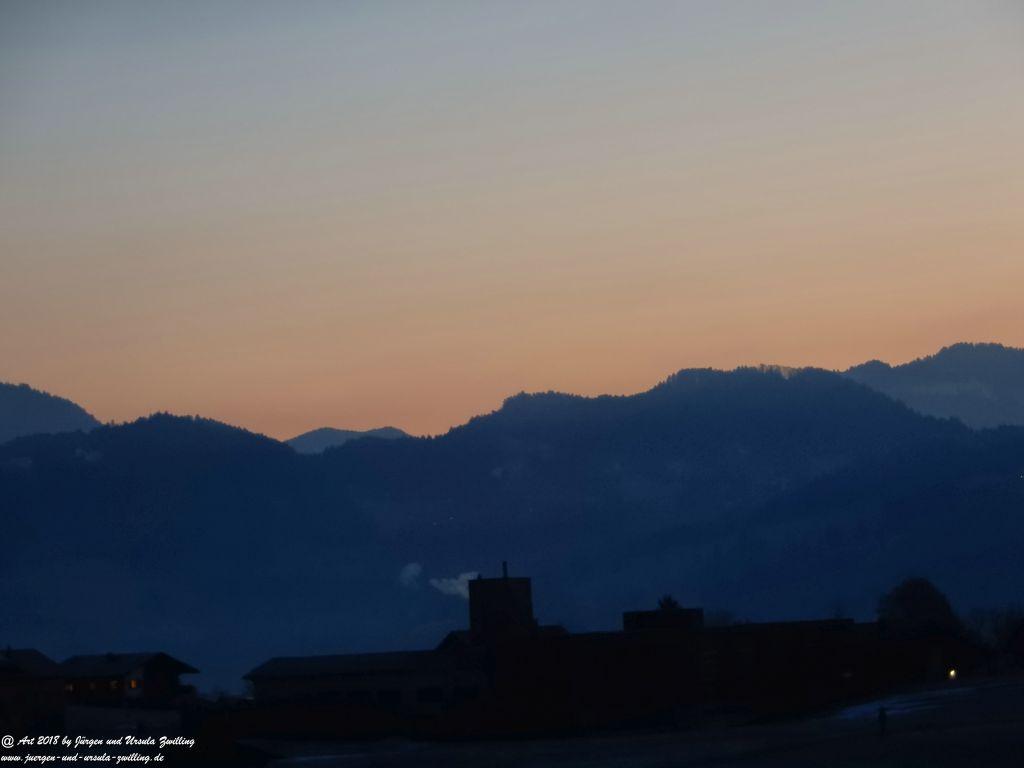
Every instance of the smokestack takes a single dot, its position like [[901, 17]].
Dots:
[[504, 569]]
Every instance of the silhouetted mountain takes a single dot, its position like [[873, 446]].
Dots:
[[27, 411], [319, 440], [980, 384], [766, 494]]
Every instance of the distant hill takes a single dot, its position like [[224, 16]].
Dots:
[[27, 411], [319, 440], [767, 493], [980, 384]]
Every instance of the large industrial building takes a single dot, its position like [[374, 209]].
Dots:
[[507, 672]]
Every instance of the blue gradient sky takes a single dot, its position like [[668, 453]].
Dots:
[[286, 215]]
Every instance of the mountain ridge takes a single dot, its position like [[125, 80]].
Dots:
[[982, 384], [25, 410], [956, 388], [319, 440]]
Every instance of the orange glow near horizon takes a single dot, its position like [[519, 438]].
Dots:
[[368, 216]]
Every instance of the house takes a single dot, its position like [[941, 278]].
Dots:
[[120, 679], [31, 690]]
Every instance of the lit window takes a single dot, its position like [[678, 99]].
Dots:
[[134, 683]]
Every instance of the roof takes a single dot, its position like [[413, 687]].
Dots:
[[28, 662], [344, 664], [119, 664]]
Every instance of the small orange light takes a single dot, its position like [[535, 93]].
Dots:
[[134, 683], [952, 674]]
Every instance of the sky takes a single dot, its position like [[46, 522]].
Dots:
[[293, 215]]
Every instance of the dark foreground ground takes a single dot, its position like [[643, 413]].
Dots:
[[965, 725]]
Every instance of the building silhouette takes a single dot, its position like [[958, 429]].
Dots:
[[504, 674], [508, 673], [112, 679]]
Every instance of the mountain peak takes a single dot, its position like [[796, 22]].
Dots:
[[981, 384], [27, 411], [319, 440]]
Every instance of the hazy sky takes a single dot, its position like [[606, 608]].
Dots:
[[294, 214]]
